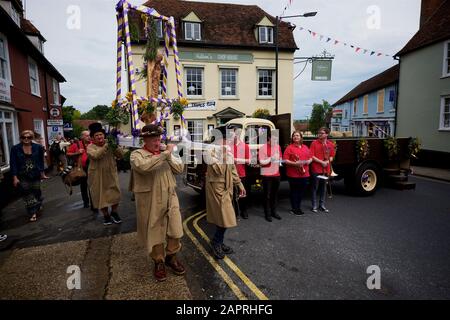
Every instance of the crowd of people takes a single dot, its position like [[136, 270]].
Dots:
[[153, 183]]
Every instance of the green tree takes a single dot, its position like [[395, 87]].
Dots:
[[96, 113], [69, 114], [319, 116]]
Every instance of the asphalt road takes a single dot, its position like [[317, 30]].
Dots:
[[324, 256]]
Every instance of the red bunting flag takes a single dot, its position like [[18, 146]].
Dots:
[[357, 49], [314, 34]]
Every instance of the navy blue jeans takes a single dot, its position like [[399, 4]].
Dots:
[[219, 235], [297, 188]]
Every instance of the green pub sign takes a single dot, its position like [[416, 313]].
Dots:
[[321, 70]]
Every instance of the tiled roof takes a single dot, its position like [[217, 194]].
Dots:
[[224, 24], [381, 80], [30, 29], [435, 29]]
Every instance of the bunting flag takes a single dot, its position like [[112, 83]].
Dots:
[[357, 49]]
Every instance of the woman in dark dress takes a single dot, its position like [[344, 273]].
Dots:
[[27, 169]]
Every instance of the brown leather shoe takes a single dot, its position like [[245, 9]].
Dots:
[[160, 271], [175, 265]]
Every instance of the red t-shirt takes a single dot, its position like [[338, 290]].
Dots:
[[273, 168], [296, 153], [75, 147], [240, 151], [319, 151]]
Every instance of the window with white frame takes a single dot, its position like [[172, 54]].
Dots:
[[265, 34], [7, 136], [195, 128], [34, 77], [192, 31], [446, 68], [194, 82], [265, 83], [4, 59], [228, 83], [445, 113], [56, 92]]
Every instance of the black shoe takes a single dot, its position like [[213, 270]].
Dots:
[[217, 251], [268, 218], [226, 249], [115, 217], [276, 216], [86, 205], [297, 212], [244, 215], [324, 209], [108, 221]]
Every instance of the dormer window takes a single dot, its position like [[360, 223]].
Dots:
[[266, 35], [192, 31]]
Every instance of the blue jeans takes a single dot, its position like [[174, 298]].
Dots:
[[319, 185], [219, 235], [297, 187]]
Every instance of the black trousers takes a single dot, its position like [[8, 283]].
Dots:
[[240, 204], [270, 188], [84, 190], [297, 188]]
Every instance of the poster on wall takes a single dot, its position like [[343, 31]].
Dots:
[[53, 132]]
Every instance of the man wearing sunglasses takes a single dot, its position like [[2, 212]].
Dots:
[[27, 169]]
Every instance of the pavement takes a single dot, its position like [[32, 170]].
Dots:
[[433, 173], [35, 258]]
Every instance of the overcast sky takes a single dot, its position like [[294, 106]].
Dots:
[[87, 56]]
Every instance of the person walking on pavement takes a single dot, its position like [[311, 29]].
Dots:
[[322, 152], [221, 177], [297, 158], [27, 170], [241, 155], [103, 179], [269, 157], [159, 223], [78, 152]]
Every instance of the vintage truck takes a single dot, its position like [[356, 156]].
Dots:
[[362, 175]]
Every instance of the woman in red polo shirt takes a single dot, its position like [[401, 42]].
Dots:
[[297, 159]]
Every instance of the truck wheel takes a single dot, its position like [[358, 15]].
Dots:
[[367, 179]]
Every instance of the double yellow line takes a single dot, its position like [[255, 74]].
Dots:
[[227, 279]]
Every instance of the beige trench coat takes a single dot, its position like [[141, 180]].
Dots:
[[103, 179], [158, 210], [220, 180]]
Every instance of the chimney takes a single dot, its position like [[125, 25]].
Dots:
[[429, 7]]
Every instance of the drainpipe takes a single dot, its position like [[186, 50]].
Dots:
[[396, 98]]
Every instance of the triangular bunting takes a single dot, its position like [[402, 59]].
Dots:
[[336, 42], [329, 39], [357, 49]]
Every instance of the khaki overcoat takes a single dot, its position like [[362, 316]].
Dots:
[[221, 177], [103, 179], [153, 183]]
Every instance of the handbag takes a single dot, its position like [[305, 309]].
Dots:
[[74, 177]]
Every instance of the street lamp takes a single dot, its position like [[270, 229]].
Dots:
[[305, 15]]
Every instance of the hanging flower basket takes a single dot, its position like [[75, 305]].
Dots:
[[177, 108]]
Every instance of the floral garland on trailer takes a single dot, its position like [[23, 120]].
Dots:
[[363, 149], [391, 145], [414, 147]]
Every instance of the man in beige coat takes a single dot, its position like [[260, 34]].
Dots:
[[159, 225], [103, 179], [221, 177]]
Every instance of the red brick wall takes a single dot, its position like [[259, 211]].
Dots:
[[428, 8], [21, 95]]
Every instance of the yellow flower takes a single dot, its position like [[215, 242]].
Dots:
[[129, 96], [184, 101], [114, 104]]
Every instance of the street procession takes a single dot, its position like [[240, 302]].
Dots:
[[207, 174]]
